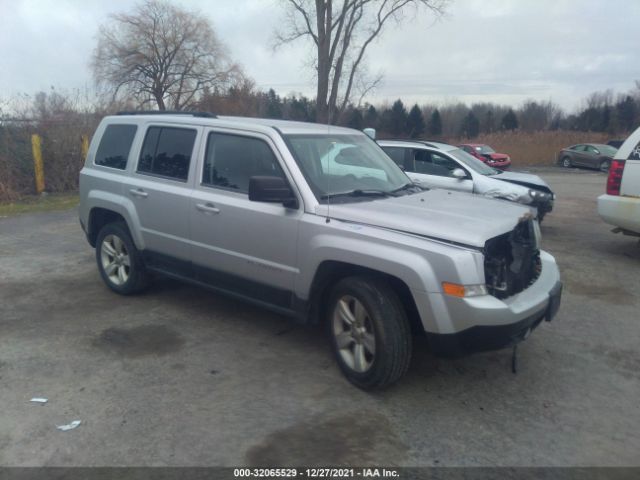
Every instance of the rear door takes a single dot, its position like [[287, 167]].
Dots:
[[160, 188]]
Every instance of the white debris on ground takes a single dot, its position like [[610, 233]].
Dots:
[[69, 426]]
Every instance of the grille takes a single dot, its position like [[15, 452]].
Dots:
[[512, 260]]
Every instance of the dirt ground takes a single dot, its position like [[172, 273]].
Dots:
[[181, 376]]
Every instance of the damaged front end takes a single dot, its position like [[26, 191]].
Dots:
[[512, 260]]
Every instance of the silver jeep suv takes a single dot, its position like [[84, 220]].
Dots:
[[318, 223]]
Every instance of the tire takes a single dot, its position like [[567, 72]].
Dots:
[[379, 352], [566, 162], [119, 261], [541, 217], [604, 165]]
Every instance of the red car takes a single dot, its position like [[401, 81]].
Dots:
[[488, 155]]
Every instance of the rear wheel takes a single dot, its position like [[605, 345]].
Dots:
[[566, 162], [370, 332], [604, 165], [119, 262]]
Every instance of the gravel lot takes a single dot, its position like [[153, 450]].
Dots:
[[181, 376]]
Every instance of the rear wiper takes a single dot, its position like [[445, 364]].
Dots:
[[360, 193]]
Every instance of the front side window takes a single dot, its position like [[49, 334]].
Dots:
[[396, 154], [231, 160], [166, 152], [115, 145], [472, 162], [431, 163]]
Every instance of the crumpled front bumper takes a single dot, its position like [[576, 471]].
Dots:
[[458, 326]]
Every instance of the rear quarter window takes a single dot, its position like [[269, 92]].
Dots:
[[115, 146]]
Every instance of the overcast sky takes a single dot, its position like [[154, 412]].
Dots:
[[483, 50]]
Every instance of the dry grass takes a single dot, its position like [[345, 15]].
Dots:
[[537, 148], [39, 203]]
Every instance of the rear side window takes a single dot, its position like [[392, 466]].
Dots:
[[115, 145], [231, 160], [166, 152]]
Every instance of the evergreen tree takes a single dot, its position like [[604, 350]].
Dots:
[[398, 118], [371, 119], [435, 124], [354, 119], [470, 127], [626, 114], [274, 104], [415, 122], [509, 121]]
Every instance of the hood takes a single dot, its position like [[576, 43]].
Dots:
[[524, 179], [454, 217], [497, 156]]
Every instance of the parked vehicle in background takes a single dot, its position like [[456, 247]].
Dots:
[[620, 205], [314, 222], [591, 155], [487, 154], [615, 143], [440, 165]]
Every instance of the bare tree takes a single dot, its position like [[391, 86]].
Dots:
[[160, 53], [341, 34]]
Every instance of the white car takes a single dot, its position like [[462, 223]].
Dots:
[[439, 165], [620, 206]]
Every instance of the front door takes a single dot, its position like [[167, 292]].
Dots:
[[245, 247], [435, 170]]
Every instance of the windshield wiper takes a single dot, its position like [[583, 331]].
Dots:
[[406, 186], [358, 192]]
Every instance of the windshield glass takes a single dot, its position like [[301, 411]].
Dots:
[[337, 165], [607, 150], [472, 162], [485, 149]]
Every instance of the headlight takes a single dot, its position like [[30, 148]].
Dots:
[[538, 195], [457, 290]]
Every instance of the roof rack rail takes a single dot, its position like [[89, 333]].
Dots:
[[168, 112]]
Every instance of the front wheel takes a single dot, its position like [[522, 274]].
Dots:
[[119, 261], [566, 162], [604, 165], [370, 332]]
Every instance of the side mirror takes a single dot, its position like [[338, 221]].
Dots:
[[271, 190], [370, 132], [459, 173]]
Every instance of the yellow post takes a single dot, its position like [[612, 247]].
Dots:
[[85, 146], [38, 167]]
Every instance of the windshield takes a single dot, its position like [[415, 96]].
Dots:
[[484, 149], [345, 166], [473, 163], [607, 150]]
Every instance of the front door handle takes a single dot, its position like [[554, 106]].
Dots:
[[207, 208], [138, 192]]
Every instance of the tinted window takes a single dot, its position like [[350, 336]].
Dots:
[[115, 145], [167, 152], [231, 160], [396, 154], [431, 163]]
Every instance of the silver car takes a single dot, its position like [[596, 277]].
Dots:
[[317, 223], [440, 165]]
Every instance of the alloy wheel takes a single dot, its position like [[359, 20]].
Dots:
[[115, 259], [354, 334]]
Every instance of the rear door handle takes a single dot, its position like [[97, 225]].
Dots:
[[207, 208], [138, 192]]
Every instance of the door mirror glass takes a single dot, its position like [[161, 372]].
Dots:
[[271, 190], [458, 173]]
